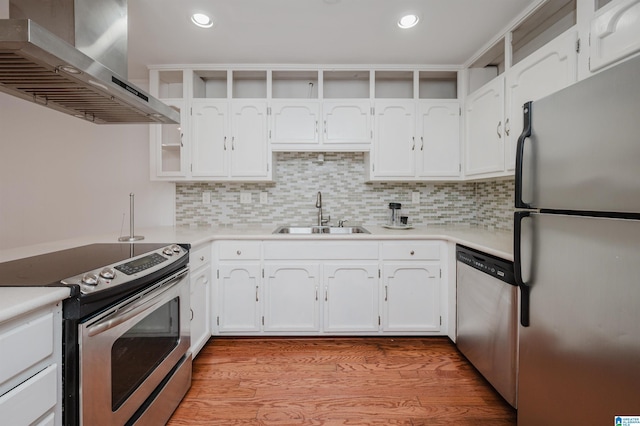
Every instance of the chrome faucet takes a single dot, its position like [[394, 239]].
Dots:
[[321, 220]]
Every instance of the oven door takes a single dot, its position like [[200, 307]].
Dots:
[[127, 351]]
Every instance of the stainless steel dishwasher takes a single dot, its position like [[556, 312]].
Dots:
[[487, 324]]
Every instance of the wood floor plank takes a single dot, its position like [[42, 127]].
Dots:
[[338, 381]]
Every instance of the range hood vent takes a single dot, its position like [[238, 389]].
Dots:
[[39, 66]]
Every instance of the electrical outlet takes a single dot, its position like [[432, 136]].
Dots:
[[415, 198], [206, 198], [264, 197], [245, 198]]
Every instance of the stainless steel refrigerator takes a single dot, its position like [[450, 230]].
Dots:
[[577, 252]]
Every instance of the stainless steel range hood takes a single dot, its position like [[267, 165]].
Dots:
[[70, 55]]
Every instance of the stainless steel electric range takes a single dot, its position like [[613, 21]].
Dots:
[[126, 356]]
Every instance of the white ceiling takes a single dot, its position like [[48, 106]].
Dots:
[[313, 31]]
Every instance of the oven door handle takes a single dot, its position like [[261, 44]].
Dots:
[[146, 302]]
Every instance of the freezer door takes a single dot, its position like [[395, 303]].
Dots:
[[579, 358], [584, 146]]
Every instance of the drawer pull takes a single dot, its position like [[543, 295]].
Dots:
[[238, 252], [202, 258], [412, 253]]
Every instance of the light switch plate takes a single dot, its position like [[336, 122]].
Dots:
[[245, 198], [415, 198], [206, 198], [264, 197]]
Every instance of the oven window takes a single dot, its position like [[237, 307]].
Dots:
[[141, 349]]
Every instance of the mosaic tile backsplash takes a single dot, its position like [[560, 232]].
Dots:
[[340, 177]]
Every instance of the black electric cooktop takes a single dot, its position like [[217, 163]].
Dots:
[[48, 269]]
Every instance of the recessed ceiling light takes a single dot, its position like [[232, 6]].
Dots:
[[202, 20], [408, 21]]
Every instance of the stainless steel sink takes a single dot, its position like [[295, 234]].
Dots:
[[307, 230]]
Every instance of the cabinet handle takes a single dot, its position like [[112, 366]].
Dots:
[[326, 294], [205, 281], [256, 293], [233, 143], [422, 141], [181, 144], [316, 127], [413, 147], [325, 127], [412, 253], [224, 143], [498, 129], [239, 252], [191, 314], [507, 128], [202, 258], [316, 292], [386, 293]]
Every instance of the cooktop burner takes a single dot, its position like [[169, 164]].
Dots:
[[50, 268]]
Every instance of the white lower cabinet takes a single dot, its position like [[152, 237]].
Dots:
[[200, 282], [291, 301], [351, 297], [411, 296], [238, 297], [328, 287], [30, 368], [411, 272]]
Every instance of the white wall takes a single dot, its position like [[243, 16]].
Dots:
[[61, 177]]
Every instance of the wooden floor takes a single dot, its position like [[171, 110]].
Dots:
[[338, 381]]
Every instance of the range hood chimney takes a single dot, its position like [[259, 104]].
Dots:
[[71, 56]]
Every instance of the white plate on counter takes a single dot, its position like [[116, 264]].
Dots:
[[398, 226]]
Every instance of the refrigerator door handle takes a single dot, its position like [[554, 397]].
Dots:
[[517, 266], [526, 132]]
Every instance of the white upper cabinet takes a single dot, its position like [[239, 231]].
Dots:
[[295, 122], [542, 73], [346, 122], [416, 133], [394, 140], [438, 130], [210, 131], [249, 155], [484, 147], [615, 33], [304, 118]]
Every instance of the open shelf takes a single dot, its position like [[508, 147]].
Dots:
[[249, 84], [394, 85], [346, 84], [170, 84], [210, 84], [294, 84], [438, 85]]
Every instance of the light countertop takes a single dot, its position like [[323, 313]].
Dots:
[[15, 301], [498, 243]]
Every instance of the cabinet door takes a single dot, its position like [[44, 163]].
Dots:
[[549, 69], [209, 138], [615, 33], [291, 297], [200, 312], [295, 122], [394, 140], [484, 148], [411, 296], [239, 297], [346, 122], [168, 150], [439, 139], [249, 145], [351, 297]]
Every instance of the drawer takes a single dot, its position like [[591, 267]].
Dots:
[[200, 256], [240, 250], [320, 250], [27, 402], [407, 250], [25, 342]]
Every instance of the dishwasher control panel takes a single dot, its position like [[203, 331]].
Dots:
[[499, 268]]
